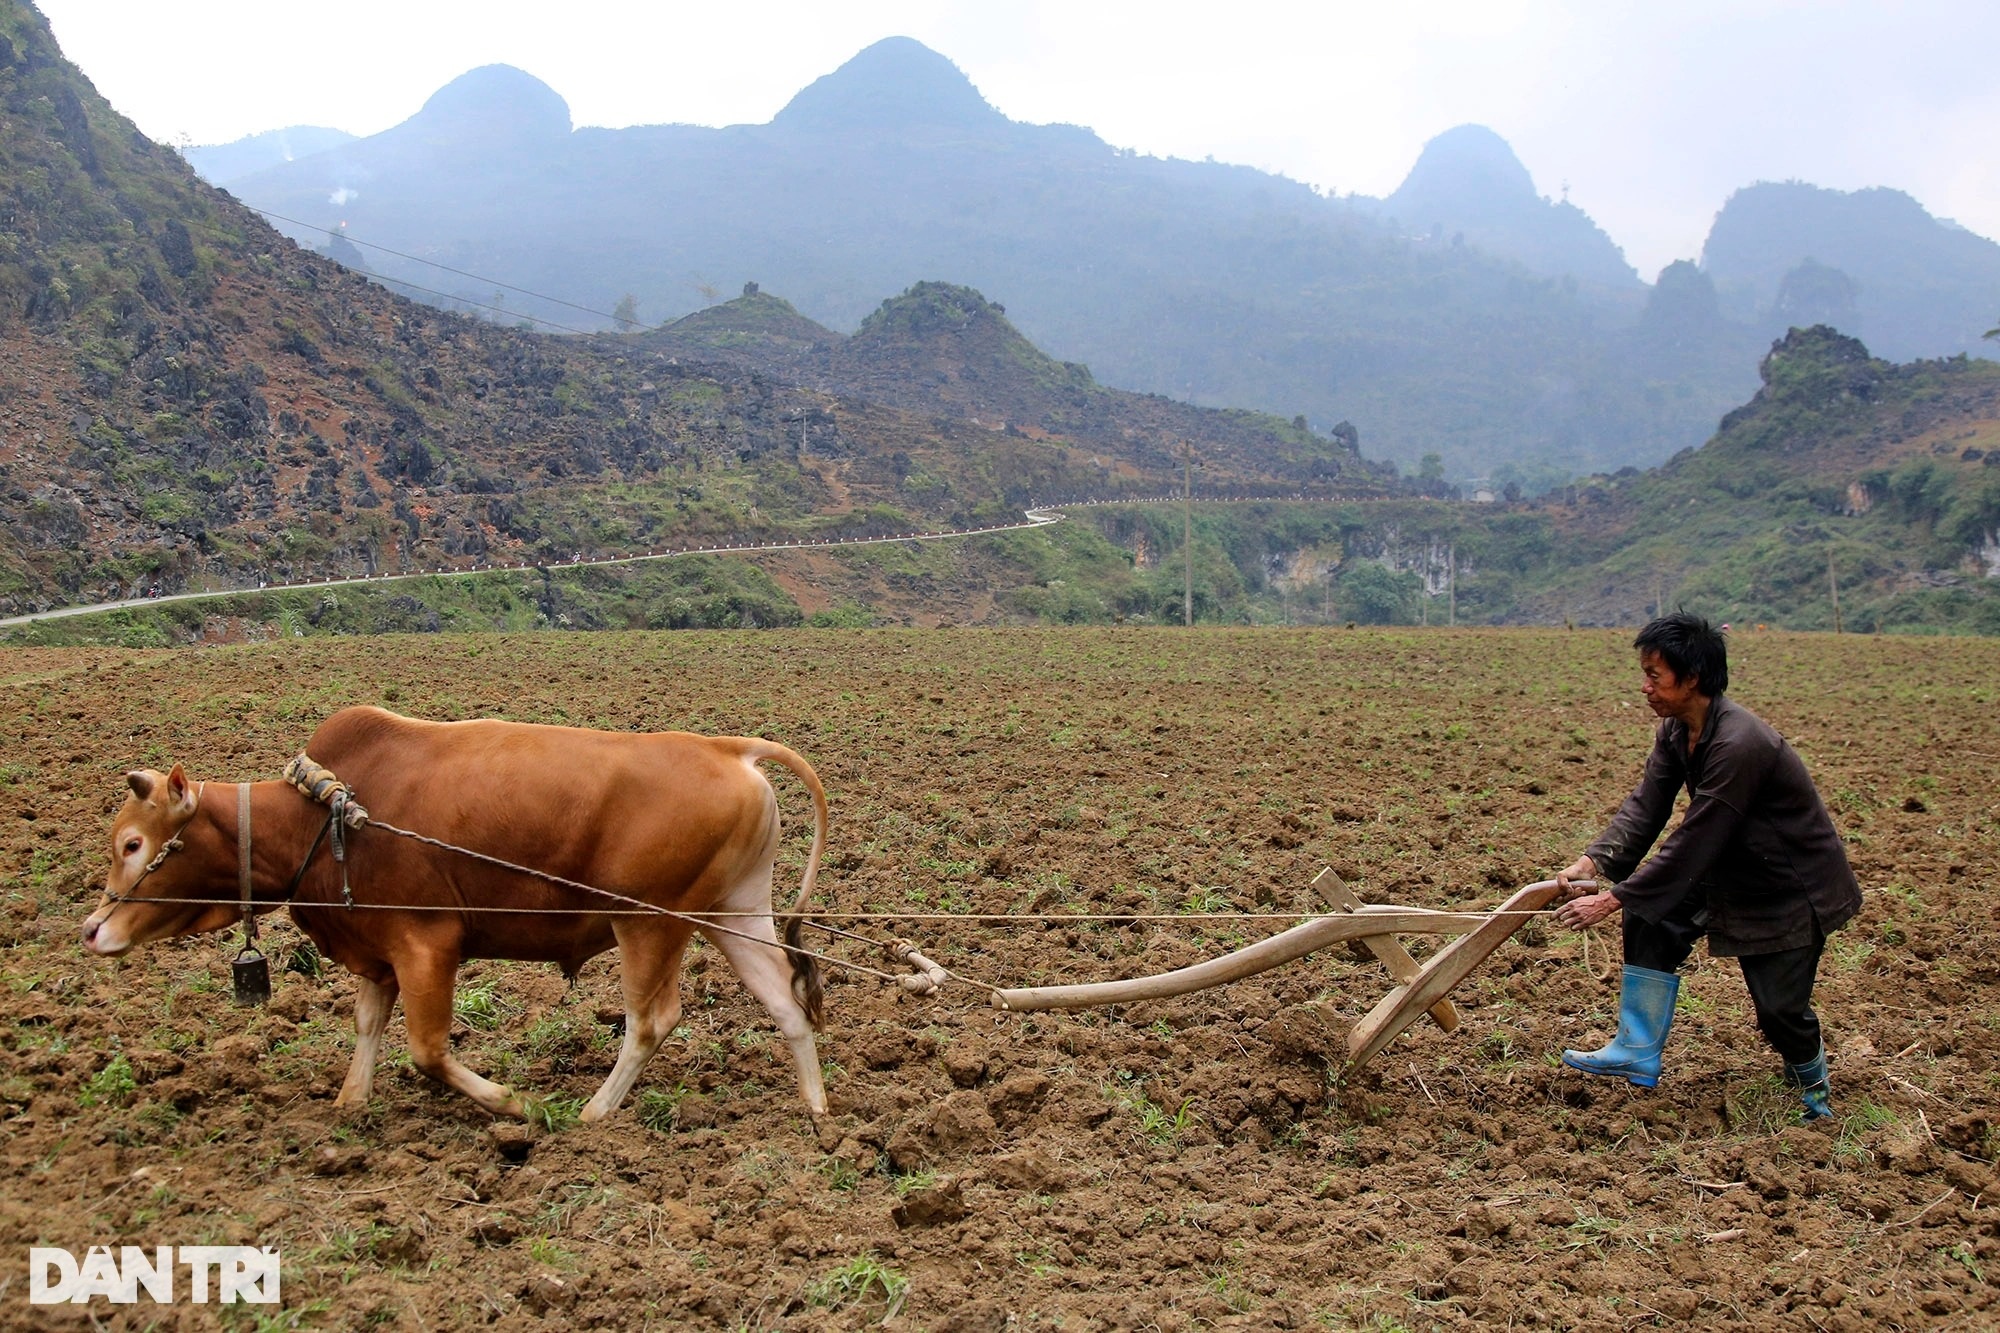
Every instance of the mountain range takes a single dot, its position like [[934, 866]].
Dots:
[[189, 400], [1464, 315]]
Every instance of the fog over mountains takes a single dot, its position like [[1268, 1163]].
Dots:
[[1465, 314]]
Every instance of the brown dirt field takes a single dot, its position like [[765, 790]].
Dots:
[[1179, 1164]]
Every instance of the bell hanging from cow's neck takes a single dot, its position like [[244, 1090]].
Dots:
[[252, 975]]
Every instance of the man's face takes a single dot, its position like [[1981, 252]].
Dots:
[[1666, 694]]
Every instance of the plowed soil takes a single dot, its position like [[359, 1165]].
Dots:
[[1196, 1162]]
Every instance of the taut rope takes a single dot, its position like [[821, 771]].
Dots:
[[318, 783]]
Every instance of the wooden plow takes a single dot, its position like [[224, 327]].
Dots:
[[1372, 929]]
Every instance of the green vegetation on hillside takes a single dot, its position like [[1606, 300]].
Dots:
[[1845, 474]]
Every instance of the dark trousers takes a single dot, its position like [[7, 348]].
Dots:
[[1780, 983]]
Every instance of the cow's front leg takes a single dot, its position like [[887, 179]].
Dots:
[[372, 1004], [427, 982]]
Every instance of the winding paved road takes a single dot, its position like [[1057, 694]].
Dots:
[[1033, 518]]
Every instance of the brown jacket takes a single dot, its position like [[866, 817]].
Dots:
[[1756, 843]]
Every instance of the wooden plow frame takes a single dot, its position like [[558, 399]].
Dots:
[[1367, 928]]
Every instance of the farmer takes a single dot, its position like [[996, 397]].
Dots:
[[1755, 865]]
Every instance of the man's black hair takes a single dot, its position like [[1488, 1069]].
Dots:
[[1690, 646]]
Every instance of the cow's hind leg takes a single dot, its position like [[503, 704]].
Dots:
[[428, 980], [649, 971], [372, 1003], [766, 970]]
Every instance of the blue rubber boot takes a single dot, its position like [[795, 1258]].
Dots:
[[1814, 1088], [1645, 1012]]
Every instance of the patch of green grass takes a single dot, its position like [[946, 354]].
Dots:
[[112, 1085], [478, 1006], [840, 1173], [1590, 1231], [556, 1112], [1854, 1124], [1223, 1283], [158, 1119], [863, 1281], [305, 959], [348, 1245], [659, 1110], [1962, 1254], [1691, 1005], [1037, 1262], [557, 1214], [1762, 1106], [550, 1035], [923, 1179], [544, 1250], [243, 1317], [1497, 1048], [1374, 1323], [1205, 899], [1156, 1123], [1849, 950]]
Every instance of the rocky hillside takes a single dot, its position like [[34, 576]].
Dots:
[[945, 350], [1844, 474], [187, 399]]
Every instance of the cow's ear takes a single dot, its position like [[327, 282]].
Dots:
[[141, 783], [180, 796]]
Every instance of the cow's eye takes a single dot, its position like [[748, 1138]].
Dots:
[[132, 845]]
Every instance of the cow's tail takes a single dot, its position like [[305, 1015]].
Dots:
[[806, 984]]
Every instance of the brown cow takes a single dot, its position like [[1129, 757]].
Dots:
[[681, 822]]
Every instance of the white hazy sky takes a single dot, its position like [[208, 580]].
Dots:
[[1649, 113]]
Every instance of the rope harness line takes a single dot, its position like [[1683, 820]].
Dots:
[[318, 784]]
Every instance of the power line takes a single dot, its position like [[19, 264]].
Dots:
[[457, 300], [476, 305], [459, 272]]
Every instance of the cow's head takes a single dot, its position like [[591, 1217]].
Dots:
[[146, 873]]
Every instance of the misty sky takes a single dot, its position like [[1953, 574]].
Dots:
[[1650, 114]]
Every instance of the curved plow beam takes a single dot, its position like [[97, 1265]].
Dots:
[[1262, 956], [1480, 934]]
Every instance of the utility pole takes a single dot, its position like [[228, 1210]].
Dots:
[[1833, 581], [1187, 533], [1451, 585]]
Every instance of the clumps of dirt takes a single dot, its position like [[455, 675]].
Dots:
[[1203, 1161]]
